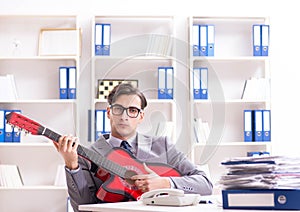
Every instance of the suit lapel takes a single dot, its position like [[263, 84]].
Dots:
[[101, 146]]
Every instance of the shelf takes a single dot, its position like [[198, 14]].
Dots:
[[40, 58], [133, 57], [232, 101], [27, 145], [228, 59], [34, 188], [41, 101], [233, 19], [151, 101], [236, 144]]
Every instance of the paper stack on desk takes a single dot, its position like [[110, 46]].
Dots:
[[261, 172], [270, 182]]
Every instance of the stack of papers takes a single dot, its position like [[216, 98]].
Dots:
[[201, 130], [8, 90], [10, 176], [256, 89], [265, 172]]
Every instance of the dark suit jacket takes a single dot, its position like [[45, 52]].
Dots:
[[83, 184]]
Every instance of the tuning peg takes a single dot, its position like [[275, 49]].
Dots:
[[19, 130], [10, 124]]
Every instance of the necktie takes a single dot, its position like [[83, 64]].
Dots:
[[125, 145]]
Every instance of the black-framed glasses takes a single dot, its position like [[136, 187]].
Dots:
[[118, 110]]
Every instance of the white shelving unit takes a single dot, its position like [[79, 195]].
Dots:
[[139, 45], [229, 68], [37, 85]]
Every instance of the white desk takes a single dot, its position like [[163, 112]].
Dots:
[[139, 207]]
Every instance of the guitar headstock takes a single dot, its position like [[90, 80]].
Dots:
[[24, 123]]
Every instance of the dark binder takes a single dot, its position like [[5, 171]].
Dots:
[[262, 199]]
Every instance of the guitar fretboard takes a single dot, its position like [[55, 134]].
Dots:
[[89, 154], [101, 161]]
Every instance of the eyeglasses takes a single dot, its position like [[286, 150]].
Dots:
[[118, 110]]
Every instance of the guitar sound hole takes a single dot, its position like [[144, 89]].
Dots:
[[128, 175]]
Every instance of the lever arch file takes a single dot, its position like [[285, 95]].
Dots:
[[204, 82], [266, 125], [270, 199], [2, 125], [256, 40], [161, 83], [248, 136], [203, 40], [196, 39], [210, 40], [264, 40], [8, 129], [196, 83], [71, 82], [106, 39], [16, 132], [102, 123], [258, 125], [63, 82], [169, 82]]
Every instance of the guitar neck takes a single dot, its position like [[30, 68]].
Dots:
[[48, 133], [89, 154]]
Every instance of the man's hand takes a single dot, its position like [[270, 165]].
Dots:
[[67, 147], [150, 181]]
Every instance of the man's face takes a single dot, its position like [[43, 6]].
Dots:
[[123, 126]]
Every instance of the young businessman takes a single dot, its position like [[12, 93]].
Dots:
[[126, 112]]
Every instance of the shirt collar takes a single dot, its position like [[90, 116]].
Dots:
[[115, 142]]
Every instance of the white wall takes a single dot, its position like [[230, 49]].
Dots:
[[284, 42]]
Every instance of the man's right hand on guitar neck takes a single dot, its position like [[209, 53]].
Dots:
[[67, 147]]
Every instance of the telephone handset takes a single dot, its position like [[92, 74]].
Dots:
[[171, 197], [161, 192]]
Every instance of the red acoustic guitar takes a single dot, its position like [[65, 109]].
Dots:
[[115, 168]]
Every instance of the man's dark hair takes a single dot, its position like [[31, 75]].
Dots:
[[126, 89]]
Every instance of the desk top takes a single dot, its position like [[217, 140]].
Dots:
[[140, 207]]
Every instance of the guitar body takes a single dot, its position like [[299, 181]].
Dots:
[[116, 189]]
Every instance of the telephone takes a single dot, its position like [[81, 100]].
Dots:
[[170, 197]]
